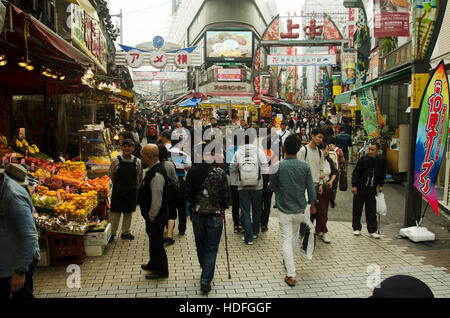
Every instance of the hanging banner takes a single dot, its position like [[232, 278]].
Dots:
[[391, 18], [369, 111], [425, 16], [348, 65], [432, 135]]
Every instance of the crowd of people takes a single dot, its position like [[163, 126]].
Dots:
[[174, 175]]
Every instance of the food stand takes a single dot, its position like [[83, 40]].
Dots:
[[242, 109], [95, 149]]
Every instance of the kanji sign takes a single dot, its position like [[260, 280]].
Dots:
[[135, 58], [432, 135], [307, 59], [182, 59], [158, 59]]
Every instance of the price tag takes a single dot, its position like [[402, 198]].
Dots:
[[32, 166], [88, 185], [26, 153], [67, 189], [58, 195], [22, 162]]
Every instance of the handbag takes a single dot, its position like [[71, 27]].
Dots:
[[343, 182]]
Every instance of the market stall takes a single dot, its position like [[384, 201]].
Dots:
[[242, 109]]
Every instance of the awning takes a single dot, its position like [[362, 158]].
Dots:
[[344, 98], [193, 102], [284, 105]]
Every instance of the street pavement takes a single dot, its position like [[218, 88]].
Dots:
[[348, 267]]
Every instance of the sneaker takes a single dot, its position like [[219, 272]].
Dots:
[[205, 288], [128, 236], [264, 229], [255, 236], [244, 241], [374, 235], [326, 238], [320, 234], [111, 239], [333, 205], [236, 229], [357, 233]]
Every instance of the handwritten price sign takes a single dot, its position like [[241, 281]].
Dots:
[[135, 58]]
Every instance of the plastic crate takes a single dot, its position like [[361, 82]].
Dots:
[[66, 249]]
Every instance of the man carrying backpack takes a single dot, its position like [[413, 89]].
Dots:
[[247, 168], [208, 192]]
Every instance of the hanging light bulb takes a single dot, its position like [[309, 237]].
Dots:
[[29, 67], [62, 77], [3, 62], [116, 137], [22, 62], [2, 57], [89, 73]]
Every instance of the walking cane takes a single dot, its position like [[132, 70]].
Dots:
[[379, 223], [226, 243]]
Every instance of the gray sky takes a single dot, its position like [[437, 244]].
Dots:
[[145, 19]]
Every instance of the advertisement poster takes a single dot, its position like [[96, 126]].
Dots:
[[348, 64], [229, 74], [432, 135], [369, 112], [229, 44], [391, 18]]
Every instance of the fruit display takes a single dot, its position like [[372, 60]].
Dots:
[[45, 202], [43, 164], [39, 173], [24, 146], [4, 148], [101, 185], [60, 224], [73, 166], [77, 207]]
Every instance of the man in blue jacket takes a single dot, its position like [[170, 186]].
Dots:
[[19, 246]]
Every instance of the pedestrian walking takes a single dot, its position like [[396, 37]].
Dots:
[[312, 155], [152, 132], [248, 166], [290, 180], [19, 246], [173, 191], [208, 192], [282, 135], [272, 159], [235, 206], [328, 176], [369, 173], [343, 141], [337, 155], [303, 136], [153, 201], [125, 173]]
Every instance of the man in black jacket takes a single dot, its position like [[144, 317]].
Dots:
[[153, 201], [369, 173]]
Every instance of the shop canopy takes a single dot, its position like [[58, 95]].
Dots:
[[345, 97], [193, 102]]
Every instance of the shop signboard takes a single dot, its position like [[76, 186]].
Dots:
[[432, 135], [369, 111], [158, 59], [395, 59], [182, 59], [374, 62], [87, 34], [233, 75], [143, 76], [348, 65], [391, 18], [306, 59], [229, 45], [135, 58]]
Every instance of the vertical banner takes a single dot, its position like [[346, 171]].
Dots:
[[432, 135], [369, 111], [348, 66], [425, 16], [391, 18]]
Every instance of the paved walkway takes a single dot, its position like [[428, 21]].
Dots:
[[345, 268]]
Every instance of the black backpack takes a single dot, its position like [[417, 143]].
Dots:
[[306, 152], [213, 196]]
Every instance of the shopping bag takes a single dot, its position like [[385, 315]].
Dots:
[[381, 203], [308, 243], [343, 182]]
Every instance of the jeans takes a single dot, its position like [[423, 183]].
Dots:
[[251, 224], [26, 291], [289, 226], [265, 206], [207, 232]]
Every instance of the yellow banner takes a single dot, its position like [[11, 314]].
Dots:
[[337, 90], [418, 84]]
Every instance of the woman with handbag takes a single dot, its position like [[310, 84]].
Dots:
[[328, 177]]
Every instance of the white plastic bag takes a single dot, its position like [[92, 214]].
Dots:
[[381, 203]]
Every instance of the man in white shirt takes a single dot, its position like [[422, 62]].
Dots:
[[283, 134], [312, 155]]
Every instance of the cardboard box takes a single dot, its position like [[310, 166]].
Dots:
[[98, 238], [94, 250]]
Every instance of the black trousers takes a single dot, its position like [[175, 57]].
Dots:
[[235, 206], [365, 196], [26, 291], [158, 257], [265, 208], [181, 206]]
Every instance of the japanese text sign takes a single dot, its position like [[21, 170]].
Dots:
[[432, 135]]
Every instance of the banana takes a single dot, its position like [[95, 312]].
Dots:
[[31, 150], [25, 143], [19, 144], [36, 149]]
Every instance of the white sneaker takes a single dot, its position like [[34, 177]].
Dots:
[[326, 238], [357, 233], [320, 234], [374, 235]]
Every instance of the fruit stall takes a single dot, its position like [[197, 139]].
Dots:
[[70, 210]]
